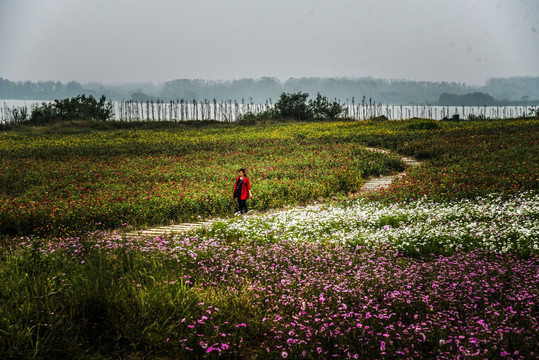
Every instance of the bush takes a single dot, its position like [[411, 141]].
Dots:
[[20, 115], [322, 108], [251, 118], [534, 112], [295, 106], [81, 107], [421, 124], [479, 117]]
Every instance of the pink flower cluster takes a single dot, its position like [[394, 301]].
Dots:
[[348, 302], [325, 300]]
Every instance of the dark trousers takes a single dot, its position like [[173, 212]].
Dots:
[[242, 204]]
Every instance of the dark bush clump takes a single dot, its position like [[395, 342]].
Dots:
[[294, 106], [81, 107]]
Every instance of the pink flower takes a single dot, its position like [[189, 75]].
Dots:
[[284, 354]]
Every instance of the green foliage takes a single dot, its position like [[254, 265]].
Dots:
[[423, 124], [534, 112], [20, 115], [477, 117], [252, 119], [322, 108], [294, 106], [53, 304], [81, 107]]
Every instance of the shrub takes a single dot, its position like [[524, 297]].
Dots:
[[81, 107], [421, 124], [322, 108], [294, 106], [20, 115], [534, 112], [251, 118], [477, 117]]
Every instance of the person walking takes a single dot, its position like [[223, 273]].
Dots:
[[242, 190]]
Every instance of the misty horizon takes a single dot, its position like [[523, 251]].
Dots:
[[518, 90], [281, 80]]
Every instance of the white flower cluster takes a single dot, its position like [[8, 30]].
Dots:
[[494, 222]]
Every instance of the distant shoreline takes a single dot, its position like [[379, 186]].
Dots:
[[504, 91]]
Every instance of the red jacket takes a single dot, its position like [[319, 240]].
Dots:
[[244, 189]]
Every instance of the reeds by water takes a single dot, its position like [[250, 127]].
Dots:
[[231, 110]]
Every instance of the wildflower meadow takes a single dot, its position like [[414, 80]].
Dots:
[[60, 184], [442, 264]]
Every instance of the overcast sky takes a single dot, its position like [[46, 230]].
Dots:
[[113, 41]]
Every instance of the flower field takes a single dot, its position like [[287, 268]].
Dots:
[[503, 224], [190, 297], [466, 161], [442, 264], [60, 184]]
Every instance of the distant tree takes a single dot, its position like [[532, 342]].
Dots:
[[73, 87], [475, 99], [140, 96]]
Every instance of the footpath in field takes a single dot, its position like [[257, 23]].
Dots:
[[372, 184]]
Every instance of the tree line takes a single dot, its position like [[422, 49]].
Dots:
[[509, 91], [290, 106]]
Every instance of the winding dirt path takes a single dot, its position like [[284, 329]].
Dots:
[[372, 184], [378, 183]]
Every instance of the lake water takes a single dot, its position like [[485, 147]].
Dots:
[[229, 110]]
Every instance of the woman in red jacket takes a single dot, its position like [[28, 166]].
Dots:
[[242, 190]]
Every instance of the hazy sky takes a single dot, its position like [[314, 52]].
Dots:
[[114, 41]]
